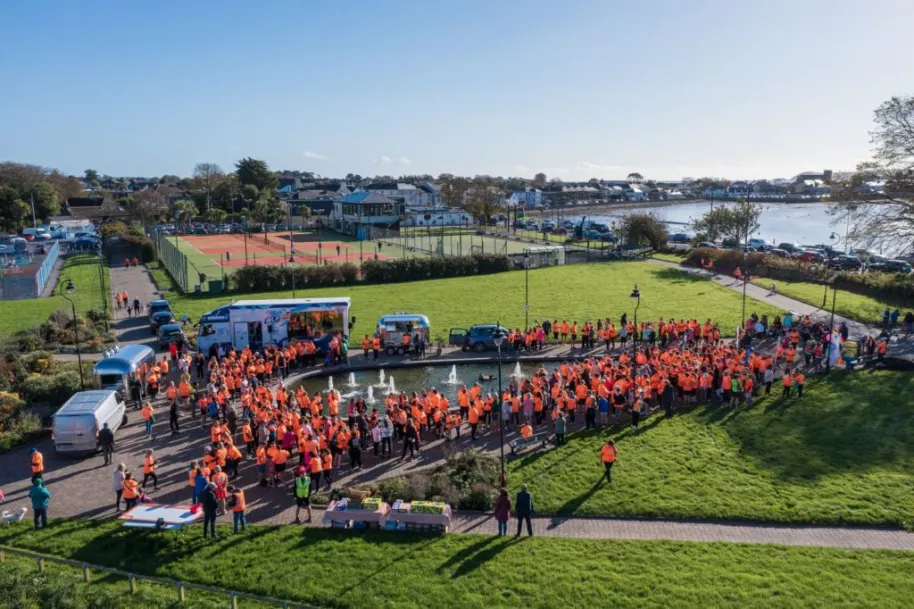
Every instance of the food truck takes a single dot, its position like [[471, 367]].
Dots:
[[391, 329], [255, 323]]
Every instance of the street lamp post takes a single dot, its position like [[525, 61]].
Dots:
[[498, 338], [526, 290], [831, 327], [636, 294], [79, 358]]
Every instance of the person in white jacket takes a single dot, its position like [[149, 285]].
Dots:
[[118, 485]]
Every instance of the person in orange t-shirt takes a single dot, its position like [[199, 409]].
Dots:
[[608, 457]]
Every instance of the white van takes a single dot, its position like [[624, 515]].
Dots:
[[77, 423]]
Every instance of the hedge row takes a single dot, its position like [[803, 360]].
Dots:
[[143, 247], [895, 287], [261, 279]]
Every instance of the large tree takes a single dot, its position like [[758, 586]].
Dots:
[[91, 177], [635, 177], [453, 189], [14, 212], [539, 180], [885, 185], [147, 206], [256, 173], [643, 229], [32, 185], [184, 211], [734, 223], [207, 177], [484, 198]]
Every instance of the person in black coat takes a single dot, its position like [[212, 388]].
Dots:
[[523, 507], [106, 441], [210, 507]]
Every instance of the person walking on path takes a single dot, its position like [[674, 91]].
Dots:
[[37, 463], [210, 506], [608, 457], [523, 508], [502, 511], [41, 498], [173, 418], [148, 418], [106, 441], [118, 485]]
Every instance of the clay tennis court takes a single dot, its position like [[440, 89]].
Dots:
[[272, 249]]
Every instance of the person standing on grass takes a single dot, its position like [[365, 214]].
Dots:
[[303, 492], [238, 506], [118, 485], [524, 509], [502, 512], [768, 379], [41, 498], [608, 457], [210, 507], [787, 382]]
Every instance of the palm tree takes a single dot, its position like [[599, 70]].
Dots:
[[216, 216], [184, 211]]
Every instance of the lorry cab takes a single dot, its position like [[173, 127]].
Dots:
[[391, 329], [77, 423]]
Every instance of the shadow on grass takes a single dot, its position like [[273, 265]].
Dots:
[[843, 423], [677, 276]]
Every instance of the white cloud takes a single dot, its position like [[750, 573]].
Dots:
[[386, 160], [314, 155]]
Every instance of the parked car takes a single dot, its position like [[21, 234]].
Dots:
[[789, 247], [170, 333], [478, 337], [680, 238], [779, 252], [560, 231], [200, 231], [159, 319], [809, 256], [709, 245], [890, 266], [76, 425], [593, 234], [758, 244], [845, 262], [157, 306]]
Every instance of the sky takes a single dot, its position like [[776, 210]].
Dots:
[[573, 88]]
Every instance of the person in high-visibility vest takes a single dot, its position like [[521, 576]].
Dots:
[[37, 462], [238, 507], [303, 491]]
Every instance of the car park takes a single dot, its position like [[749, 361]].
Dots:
[[809, 256], [156, 306], [789, 247], [159, 319], [845, 262], [778, 252]]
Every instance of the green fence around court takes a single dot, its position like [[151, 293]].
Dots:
[[174, 260]]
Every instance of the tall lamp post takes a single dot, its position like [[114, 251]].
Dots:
[[831, 326], [636, 294], [498, 338], [526, 290], [79, 358]]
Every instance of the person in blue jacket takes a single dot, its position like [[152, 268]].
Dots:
[[41, 498]]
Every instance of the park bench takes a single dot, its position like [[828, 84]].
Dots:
[[537, 438]]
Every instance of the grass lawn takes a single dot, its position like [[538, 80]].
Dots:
[[370, 569], [675, 258], [576, 292], [855, 306], [18, 315], [842, 454]]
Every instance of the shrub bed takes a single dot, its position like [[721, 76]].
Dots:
[[261, 279]]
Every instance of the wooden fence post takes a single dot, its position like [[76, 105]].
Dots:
[[87, 576], [41, 565], [132, 580], [234, 600], [180, 592]]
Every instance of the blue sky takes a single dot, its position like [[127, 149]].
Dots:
[[577, 89]]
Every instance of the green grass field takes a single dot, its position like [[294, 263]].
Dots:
[[855, 306], [18, 315], [577, 292], [346, 569], [841, 454], [674, 257]]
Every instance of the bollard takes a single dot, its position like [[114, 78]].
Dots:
[[87, 576], [234, 600], [132, 580], [41, 565], [180, 592]]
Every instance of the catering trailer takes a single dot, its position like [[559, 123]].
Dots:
[[255, 323]]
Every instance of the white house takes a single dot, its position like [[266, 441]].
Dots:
[[361, 208], [529, 196], [426, 194], [636, 193], [437, 216]]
